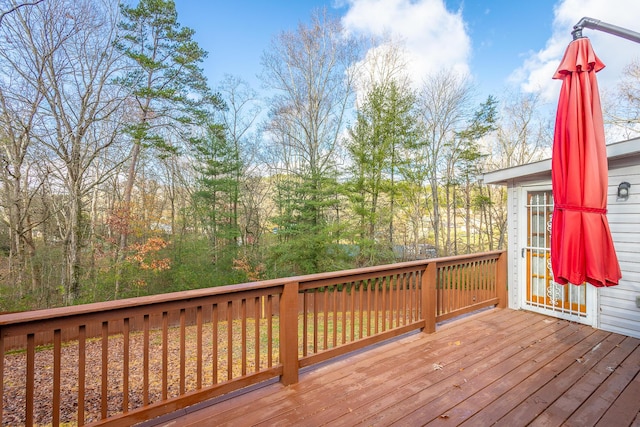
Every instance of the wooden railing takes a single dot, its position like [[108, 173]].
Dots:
[[121, 362]]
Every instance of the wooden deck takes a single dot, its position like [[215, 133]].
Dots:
[[498, 367]]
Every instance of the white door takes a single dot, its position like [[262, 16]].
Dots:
[[541, 293]]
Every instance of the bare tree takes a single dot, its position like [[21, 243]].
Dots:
[[310, 70], [20, 100], [14, 7], [385, 63], [524, 134], [443, 109], [239, 119], [622, 110], [311, 73], [72, 42]]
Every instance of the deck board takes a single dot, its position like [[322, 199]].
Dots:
[[579, 393], [617, 375], [498, 367], [529, 398], [489, 384]]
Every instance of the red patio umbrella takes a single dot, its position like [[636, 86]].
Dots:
[[581, 245]]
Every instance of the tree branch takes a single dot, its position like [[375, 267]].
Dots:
[[13, 9]]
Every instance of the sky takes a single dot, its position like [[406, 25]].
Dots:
[[513, 45]]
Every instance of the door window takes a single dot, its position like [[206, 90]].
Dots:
[[542, 291]]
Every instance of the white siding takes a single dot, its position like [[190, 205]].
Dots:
[[616, 306], [618, 310], [513, 245]]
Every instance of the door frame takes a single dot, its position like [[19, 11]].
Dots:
[[590, 317]]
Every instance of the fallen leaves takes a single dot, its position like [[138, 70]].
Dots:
[[14, 380]]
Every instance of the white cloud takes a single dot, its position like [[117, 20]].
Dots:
[[535, 73], [434, 37]]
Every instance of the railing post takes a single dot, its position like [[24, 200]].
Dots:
[[429, 297], [501, 280], [289, 333]]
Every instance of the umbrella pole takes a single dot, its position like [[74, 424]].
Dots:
[[596, 24]]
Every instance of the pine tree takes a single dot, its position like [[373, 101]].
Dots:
[[169, 92], [218, 169], [384, 126], [483, 123]]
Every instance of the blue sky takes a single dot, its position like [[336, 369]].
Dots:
[[500, 43]]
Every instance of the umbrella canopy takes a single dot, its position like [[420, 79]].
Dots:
[[581, 245]]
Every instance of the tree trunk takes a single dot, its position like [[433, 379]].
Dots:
[[467, 216], [436, 216], [73, 246], [126, 215], [455, 222]]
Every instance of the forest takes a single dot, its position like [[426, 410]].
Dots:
[[126, 173]]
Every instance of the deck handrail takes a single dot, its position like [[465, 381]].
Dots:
[[275, 326]]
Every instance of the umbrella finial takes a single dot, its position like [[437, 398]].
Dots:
[[577, 33]]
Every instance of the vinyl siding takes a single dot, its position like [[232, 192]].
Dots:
[[617, 305]]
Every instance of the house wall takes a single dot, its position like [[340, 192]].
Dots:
[[618, 311], [516, 201], [513, 245]]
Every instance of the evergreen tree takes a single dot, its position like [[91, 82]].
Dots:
[[483, 123], [306, 241], [384, 126], [168, 89], [218, 168], [311, 74]]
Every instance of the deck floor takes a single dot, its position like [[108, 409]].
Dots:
[[499, 367]]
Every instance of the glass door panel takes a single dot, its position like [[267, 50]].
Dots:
[[542, 291]]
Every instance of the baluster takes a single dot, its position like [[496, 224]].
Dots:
[[325, 317], [105, 370], [214, 344], [125, 365], [229, 340], [398, 293], [269, 315], [315, 321], [343, 298], [82, 363], [31, 348], [335, 315], [256, 338], [57, 344], [165, 354], [183, 346], [386, 281], [361, 307], [243, 306], [353, 311], [145, 362], [199, 347], [376, 308], [1, 374], [305, 323]]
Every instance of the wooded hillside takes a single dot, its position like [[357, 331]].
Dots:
[[124, 173]]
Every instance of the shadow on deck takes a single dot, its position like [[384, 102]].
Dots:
[[499, 367]]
